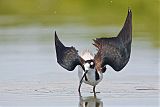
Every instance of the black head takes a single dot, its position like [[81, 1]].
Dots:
[[91, 63]]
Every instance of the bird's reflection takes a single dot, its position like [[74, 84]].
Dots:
[[90, 101]]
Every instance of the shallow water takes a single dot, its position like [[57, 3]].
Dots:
[[30, 76]]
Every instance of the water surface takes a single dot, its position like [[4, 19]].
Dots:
[[30, 76]]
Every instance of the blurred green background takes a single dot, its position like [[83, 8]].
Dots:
[[86, 12]]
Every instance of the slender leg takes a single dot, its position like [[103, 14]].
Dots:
[[80, 83], [79, 88], [94, 91], [94, 87]]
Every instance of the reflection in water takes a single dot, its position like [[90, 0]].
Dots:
[[90, 101]]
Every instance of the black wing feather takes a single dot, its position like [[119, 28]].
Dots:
[[115, 51], [67, 57]]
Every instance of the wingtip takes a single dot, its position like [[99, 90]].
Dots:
[[129, 10], [57, 41], [56, 37], [55, 34]]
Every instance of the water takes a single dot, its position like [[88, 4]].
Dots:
[[30, 76]]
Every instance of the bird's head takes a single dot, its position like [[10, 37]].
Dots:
[[89, 64]]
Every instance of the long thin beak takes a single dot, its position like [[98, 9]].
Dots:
[[80, 83]]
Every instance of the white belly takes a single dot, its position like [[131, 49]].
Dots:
[[91, 76]]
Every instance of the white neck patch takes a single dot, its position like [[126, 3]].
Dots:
[[86, 66]]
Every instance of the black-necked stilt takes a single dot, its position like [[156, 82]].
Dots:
[[90, 101], [114, 51]]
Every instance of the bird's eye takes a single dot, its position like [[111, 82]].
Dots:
[[91, 63]]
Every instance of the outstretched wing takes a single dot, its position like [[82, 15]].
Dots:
[[115, 51], [67, 57]]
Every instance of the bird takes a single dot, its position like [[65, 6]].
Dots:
[[112, 51], [90, 101]]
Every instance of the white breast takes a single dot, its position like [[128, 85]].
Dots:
[[87, 55], [91, 77]]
